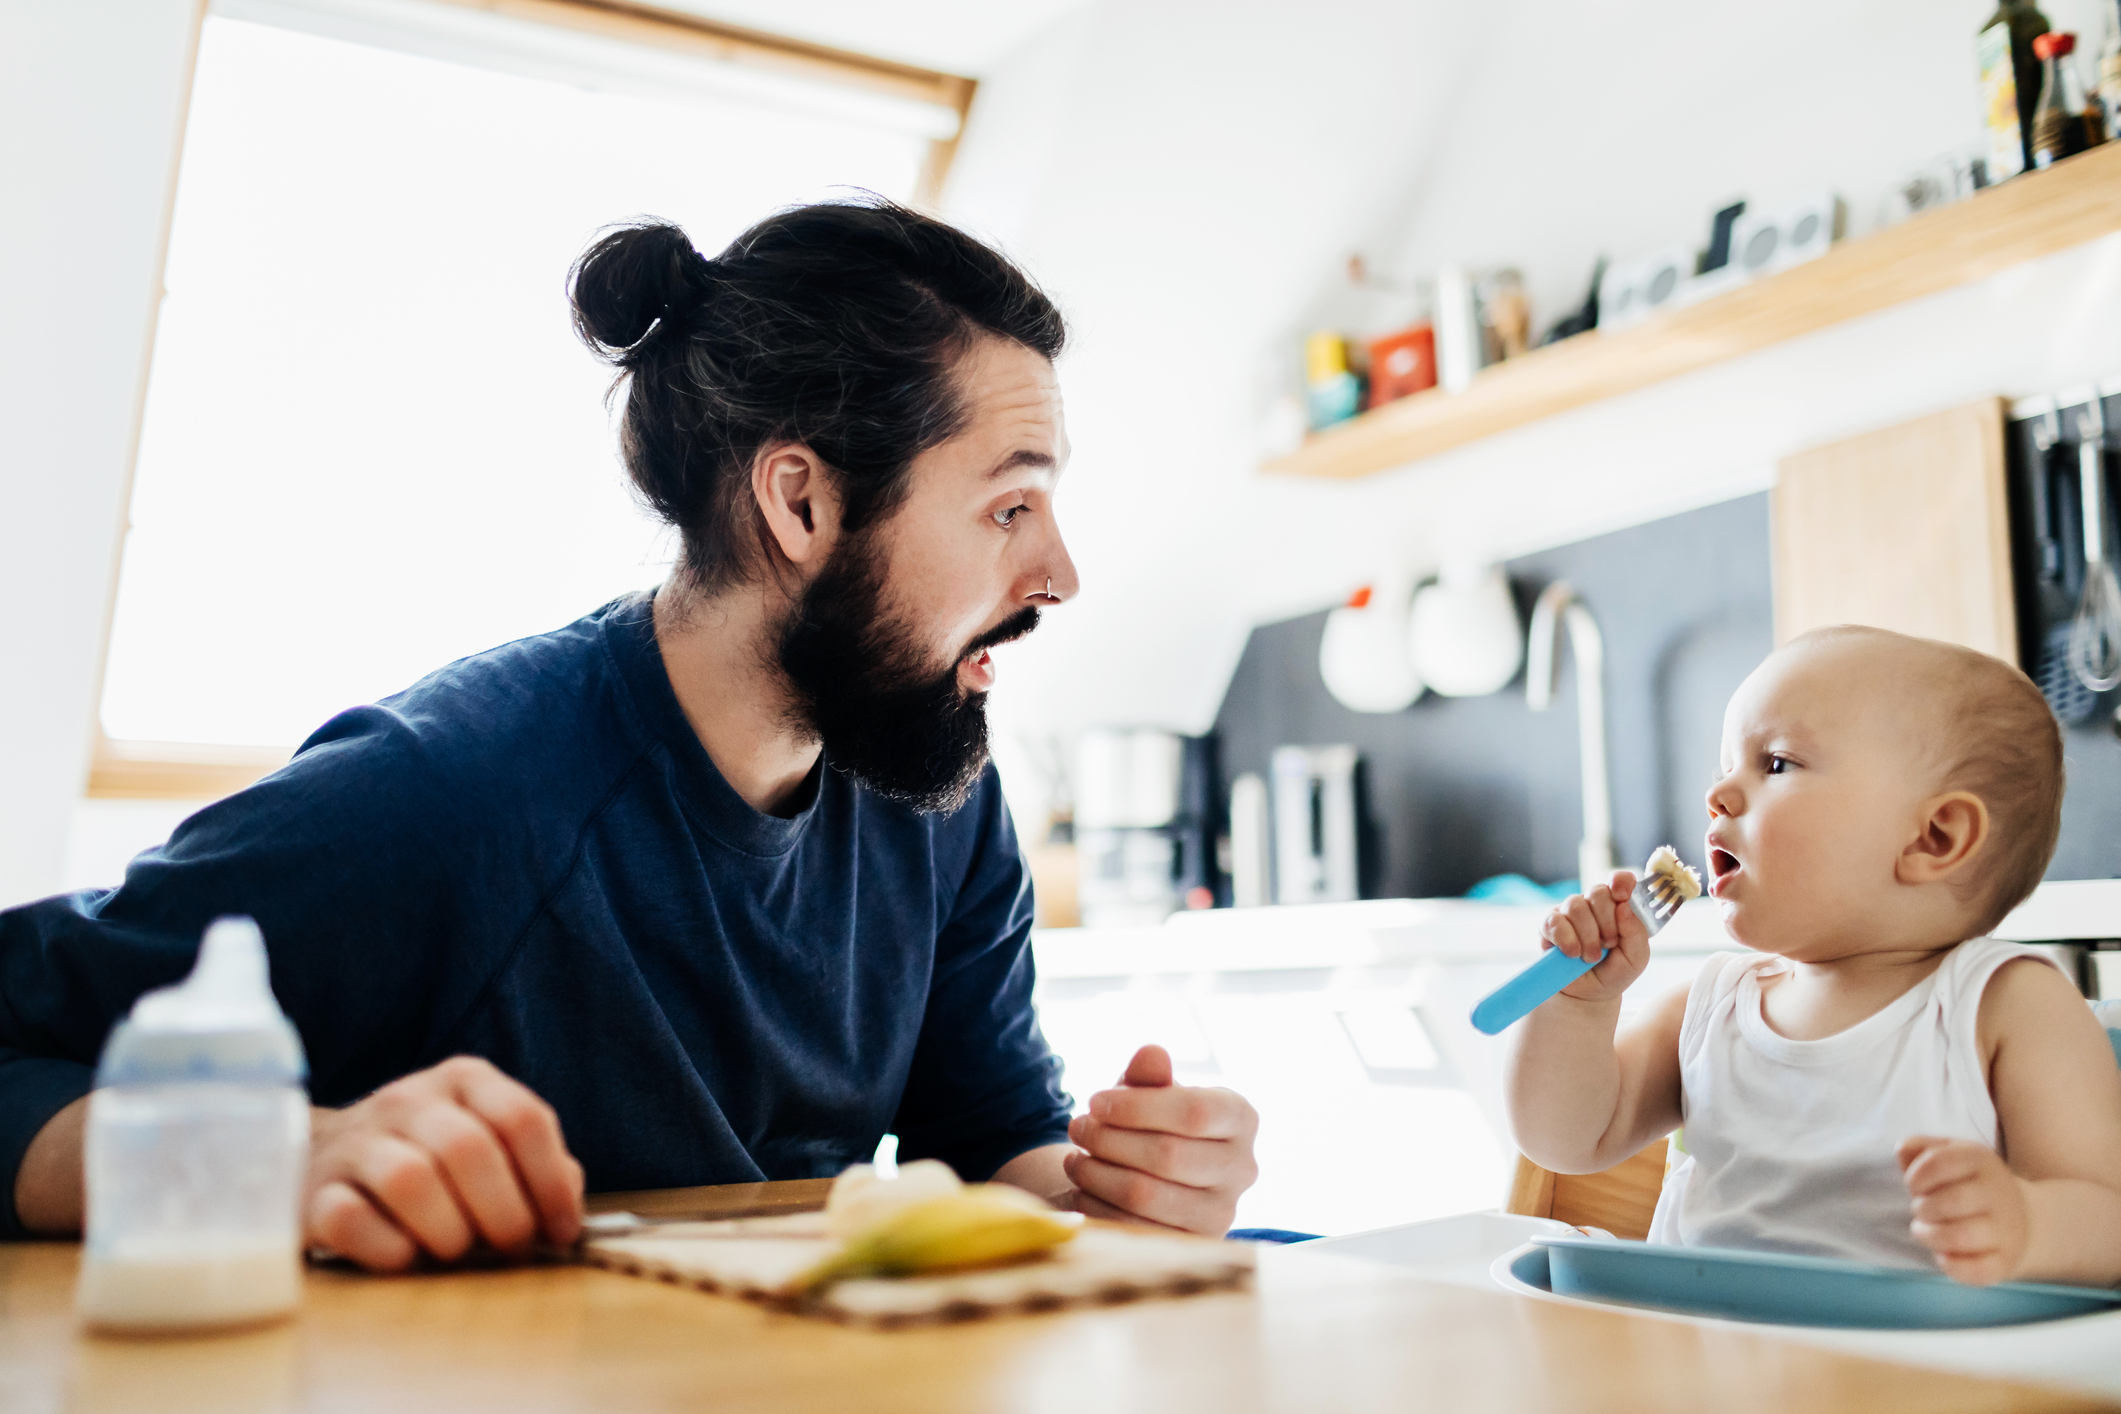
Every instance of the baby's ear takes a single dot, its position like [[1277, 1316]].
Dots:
[[1952, 830]]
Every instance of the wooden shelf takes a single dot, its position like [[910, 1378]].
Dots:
[[2030, 216]]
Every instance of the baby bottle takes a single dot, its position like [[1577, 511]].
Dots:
[[198, 1137]]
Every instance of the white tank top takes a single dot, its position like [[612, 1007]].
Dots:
[[1789, 1144]]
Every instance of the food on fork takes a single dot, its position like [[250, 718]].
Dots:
[[1666, 883], [1670, 883]]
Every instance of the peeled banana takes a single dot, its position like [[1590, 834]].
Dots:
[[861, 1197], [980, 1225]]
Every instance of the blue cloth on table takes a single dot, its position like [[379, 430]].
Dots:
[[1518, 891], [1269, 1234]]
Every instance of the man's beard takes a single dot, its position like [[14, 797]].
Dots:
[[885, 714]]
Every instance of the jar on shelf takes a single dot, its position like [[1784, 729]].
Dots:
[[2058, 123]]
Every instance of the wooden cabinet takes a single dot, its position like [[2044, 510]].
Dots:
[[1906, 528]]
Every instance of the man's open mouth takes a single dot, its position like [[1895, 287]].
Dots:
[[975, 671], [976, 665]]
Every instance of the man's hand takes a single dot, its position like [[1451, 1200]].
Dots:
[[1970, 1209], [432, 1163], [1599, 919], [1174, 1155]]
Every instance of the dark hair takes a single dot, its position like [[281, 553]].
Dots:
[[837, 325]]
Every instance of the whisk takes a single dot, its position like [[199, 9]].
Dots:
[[2095, 634], [2070, 699]]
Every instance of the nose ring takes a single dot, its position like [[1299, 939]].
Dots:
[[1049, 596]]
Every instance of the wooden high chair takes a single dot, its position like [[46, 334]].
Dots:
[[1620, 1200]]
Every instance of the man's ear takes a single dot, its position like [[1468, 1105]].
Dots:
[[1953, 827], [795, 495]]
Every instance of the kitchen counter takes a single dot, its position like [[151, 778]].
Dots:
[[1385, 932], [1317, 1333], [1347, 1026]]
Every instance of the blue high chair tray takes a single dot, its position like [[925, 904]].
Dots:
[[1782, 1289]]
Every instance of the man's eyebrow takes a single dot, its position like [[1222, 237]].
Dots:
[[1022, 457]]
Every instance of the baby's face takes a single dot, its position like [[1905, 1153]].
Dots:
[[1820, 787]]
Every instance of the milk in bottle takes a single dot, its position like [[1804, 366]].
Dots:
[[198, 1136]]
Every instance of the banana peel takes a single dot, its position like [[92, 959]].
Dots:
[[980, 1225]]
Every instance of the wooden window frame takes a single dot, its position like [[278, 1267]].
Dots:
[[150, 770]]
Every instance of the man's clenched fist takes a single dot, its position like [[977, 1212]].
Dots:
[[442, 1159]]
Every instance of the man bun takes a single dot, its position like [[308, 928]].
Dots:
[[839, 326], [634, 276]]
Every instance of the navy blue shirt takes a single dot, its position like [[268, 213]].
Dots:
[[528, 856]]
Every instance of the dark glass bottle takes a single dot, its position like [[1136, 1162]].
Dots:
[[2026, 24], [2058, 125]]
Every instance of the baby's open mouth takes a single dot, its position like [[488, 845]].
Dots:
[[1722, 865]]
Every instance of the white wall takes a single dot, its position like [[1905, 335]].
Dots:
[[1189, 177], [90, 100]]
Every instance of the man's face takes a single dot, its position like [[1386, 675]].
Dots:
[[889, 648]]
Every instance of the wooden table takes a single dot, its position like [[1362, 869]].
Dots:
[[1317, 1334]]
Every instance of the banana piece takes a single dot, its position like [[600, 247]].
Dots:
[[1681, 882], [982, 1225], [860, 1198]]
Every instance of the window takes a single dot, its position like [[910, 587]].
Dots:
[[371, 443]]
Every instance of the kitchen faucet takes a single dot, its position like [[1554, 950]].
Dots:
[[1560, 605]]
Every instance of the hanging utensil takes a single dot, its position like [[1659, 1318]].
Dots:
[[2053, 570], [2047, 433], [2095, 635]]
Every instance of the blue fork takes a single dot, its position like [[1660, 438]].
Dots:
[[1655, 900]]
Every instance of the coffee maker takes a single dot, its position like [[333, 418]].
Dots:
[[1317, 844], [1144, 825]]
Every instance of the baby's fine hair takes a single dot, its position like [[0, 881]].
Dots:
[[1998, 740]]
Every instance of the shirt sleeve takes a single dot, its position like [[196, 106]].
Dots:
[[984, 1085], [307, 853]]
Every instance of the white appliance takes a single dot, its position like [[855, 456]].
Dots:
[[1460, 351], [1315, 841], [1761, 245], [1362, 656], [1127, 792], [1127, 778], [1146, 821], [1251, 863], [1636, 290], [1463, 637]]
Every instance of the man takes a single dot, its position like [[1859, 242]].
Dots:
[[716, 884]]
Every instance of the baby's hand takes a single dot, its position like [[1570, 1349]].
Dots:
[[1595, 920], [1970, 1209]]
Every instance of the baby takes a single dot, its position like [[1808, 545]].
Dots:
[[1876, 1079]]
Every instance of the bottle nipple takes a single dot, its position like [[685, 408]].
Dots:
[[229, 988]]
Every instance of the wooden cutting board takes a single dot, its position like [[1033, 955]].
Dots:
[[755, 1258], [1906, 528]]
